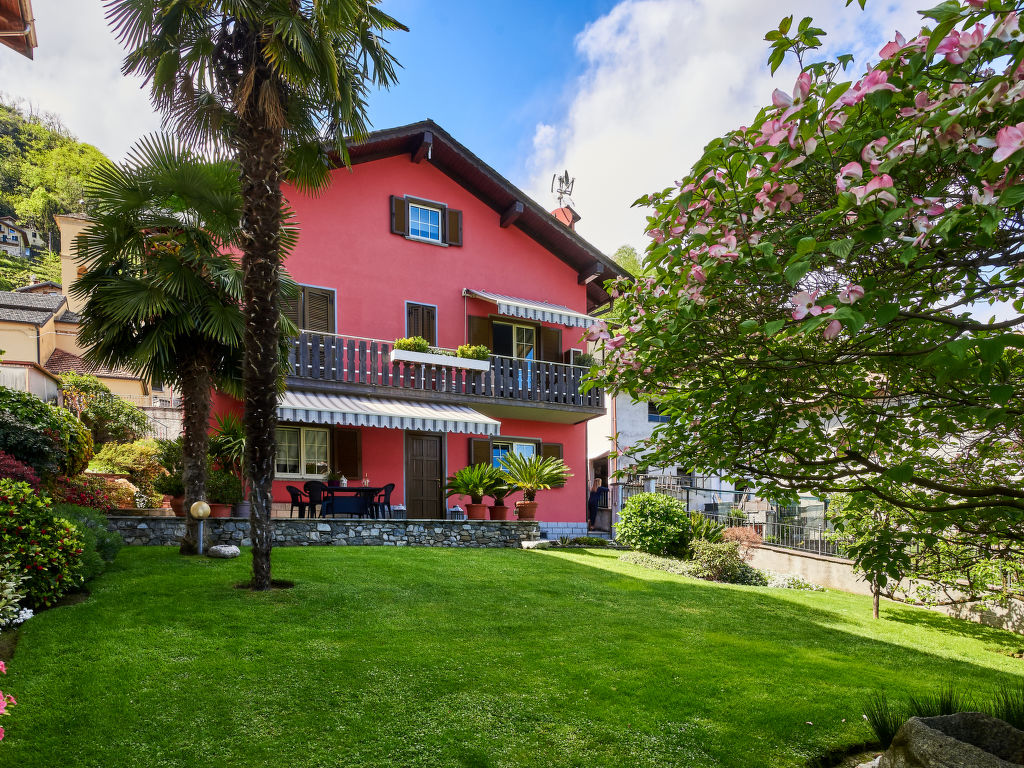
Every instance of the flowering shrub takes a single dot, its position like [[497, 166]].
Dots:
[[85, 491], [123, 494], [822, 282], [12, 469], [746, 538], [6, 700], [99, 544], [50, 439], [47, 549], [654, 523]]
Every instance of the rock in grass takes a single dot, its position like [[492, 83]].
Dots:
[[226, 551], [954, 741]]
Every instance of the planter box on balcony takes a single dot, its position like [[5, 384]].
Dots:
[[428, 358]]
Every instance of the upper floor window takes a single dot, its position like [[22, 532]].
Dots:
[[424, 223], [312, 309], [426, 220]]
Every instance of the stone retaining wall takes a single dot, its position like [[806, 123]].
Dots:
[[163, 531]]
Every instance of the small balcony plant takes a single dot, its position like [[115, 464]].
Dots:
[[475, 481], [413, 344], [532, 474]]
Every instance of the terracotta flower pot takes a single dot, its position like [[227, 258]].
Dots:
[[476, 511], [500, 512], [178, 505], [526, 510], [220, 510]]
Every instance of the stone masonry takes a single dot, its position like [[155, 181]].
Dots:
[[163, 531]]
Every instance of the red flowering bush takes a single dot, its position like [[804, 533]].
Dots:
[[46, 549], [747, 539], [85, 491], [12, 469]]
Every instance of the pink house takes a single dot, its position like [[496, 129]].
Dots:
[[422, 238]]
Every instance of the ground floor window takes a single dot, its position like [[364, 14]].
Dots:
[[302, 451], [499, 449]]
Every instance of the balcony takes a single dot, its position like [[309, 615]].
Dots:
[[329, 363]]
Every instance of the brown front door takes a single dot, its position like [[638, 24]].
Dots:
[[423, 472]]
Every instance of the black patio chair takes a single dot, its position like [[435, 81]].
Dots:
[[297, 501], [382, 504], [315, 491]]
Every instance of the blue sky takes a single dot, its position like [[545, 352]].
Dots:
[[486, 72]]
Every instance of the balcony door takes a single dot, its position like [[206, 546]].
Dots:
[[424, 470]]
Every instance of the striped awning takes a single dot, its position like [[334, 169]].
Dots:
[[352, 411], [533, 310]]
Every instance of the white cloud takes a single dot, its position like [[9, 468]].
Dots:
[[76, 73], [664, 77]]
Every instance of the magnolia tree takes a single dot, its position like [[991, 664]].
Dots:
[[835, 295]]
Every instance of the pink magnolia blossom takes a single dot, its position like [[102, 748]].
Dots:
[[836, 120], [616, 342], [957, 46], [697, 274], [891, 49], [1009, 139], [804, 303], [597, 332], [870, 153], [832, 330], [3, 667], [848, 173], [801, 91], [1007, 28], [851, 293], [657, 235], [875, 80], [878, 189], [984, 196]]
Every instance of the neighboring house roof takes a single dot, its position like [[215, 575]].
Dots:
[[426, 140], [16, 16], [33, 308], [69, 317], [65, 362], [42, 287]]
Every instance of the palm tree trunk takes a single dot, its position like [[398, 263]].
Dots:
[[196, 389], [260, 160]]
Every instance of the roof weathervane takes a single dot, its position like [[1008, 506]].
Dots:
[[561, 187]]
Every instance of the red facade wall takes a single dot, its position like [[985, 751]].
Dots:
[[345, 243]]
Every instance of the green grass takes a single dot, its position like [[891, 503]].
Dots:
[[448, 657]]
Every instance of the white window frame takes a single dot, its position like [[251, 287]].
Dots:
[[440, 223], [301, 474], [514, 447]]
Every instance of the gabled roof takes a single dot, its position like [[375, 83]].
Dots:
[[33, 308], [36, 287], [427, 141], [65, 362]]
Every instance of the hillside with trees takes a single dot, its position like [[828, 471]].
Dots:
[[42, 168]]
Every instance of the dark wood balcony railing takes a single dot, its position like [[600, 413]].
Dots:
[[329, 358]]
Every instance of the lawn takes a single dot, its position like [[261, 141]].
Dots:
[[450, 657]]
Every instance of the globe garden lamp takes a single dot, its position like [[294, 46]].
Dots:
[[200, 510]]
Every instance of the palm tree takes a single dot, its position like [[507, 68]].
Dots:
[[281, 83], [162, 292]]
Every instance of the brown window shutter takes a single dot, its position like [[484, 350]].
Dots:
[[345, 454], [291, 307], [413, 320], [480, 332], [453, 227], [429, 315], [479, 451], [551, 345], [553, 450], [398, 216], [319, 310]]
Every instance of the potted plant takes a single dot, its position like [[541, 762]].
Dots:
[[416, 349], [499, 490], [223, 492], [475, 481], [334, 479], [532, 474], [171, 485], [227, 452]]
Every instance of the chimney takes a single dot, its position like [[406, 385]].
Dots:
[[567, 216]]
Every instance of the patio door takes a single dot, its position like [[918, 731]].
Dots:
[[424, 470]]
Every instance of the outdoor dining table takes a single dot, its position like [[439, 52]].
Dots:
[[363, 494]]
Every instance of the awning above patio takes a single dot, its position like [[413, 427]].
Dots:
[[533, 310], [351, 411]]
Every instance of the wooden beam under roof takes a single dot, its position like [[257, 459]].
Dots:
[[510, 214], [425, 145], [592, 274]]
